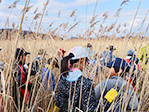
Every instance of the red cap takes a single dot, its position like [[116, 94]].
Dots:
[[62, 51]]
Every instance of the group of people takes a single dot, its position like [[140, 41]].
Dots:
[[40, 69], [74, 91]]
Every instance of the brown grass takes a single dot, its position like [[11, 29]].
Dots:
[[52, 44]]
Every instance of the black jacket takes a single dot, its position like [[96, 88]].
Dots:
[[62, 95]]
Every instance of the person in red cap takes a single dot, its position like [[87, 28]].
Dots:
[[61, 53]]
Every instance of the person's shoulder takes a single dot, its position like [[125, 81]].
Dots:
[[86, 81]]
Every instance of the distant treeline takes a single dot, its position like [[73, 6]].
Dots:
[[24, 34], [11, 33]]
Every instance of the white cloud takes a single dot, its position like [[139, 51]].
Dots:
[[53, 8]]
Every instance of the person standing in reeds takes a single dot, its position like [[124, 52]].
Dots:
[[47, 79], [20, 78], [115, 88], [39, 62], [107, 55], [75, 91], [133, 61], [89, 49], [144, 56], [60, 54]]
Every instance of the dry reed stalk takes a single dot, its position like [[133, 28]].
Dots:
[[94, 24], [40, 87], [128, 35], [142, 92], [73, 26], [15, 3], [102, 92], [95, 8], [92, 85], [93, 19], [124, 2], [73, 12], [72, 101], [12, 56], [135, 16], [117, 29], [111, 27], [58, 76], [37, 16], [144, 20], [32, 56], [35, 10], [133, 43], [42, 15], [118, 12], [105, 15], [105, 30], [51, 24], [65, 25]]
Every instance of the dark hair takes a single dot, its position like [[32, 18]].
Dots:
[[64, 64], [55, 62], [89, 45], [18, 54], [116, 69]]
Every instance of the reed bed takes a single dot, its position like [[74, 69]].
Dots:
[[53, 42]]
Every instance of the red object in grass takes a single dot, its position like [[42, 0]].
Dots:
[[62, 52]]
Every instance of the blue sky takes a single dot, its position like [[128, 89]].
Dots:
[[83, 14]]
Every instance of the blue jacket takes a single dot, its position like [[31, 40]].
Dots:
[[51, 83], [107, 56], [119, 84]]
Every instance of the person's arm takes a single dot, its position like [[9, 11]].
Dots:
[[97, 92], [53, 82], [58, 96], [98, 88], [141, 53], [133, 102]]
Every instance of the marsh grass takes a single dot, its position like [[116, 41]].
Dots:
[[52, 43]]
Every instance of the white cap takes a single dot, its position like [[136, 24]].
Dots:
[[78, 52]]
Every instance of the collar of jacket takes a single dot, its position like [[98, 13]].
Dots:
[[73, 75], [116, 77]]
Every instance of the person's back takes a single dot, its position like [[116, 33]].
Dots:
[[133, 61], [72, 84], [114, 88], [117, 85], [37, 65], [65, 96], [107, 55], [39, 62]]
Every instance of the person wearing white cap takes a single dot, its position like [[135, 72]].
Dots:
[[82, 95]]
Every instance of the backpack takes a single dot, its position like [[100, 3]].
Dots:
[[37, 65]]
